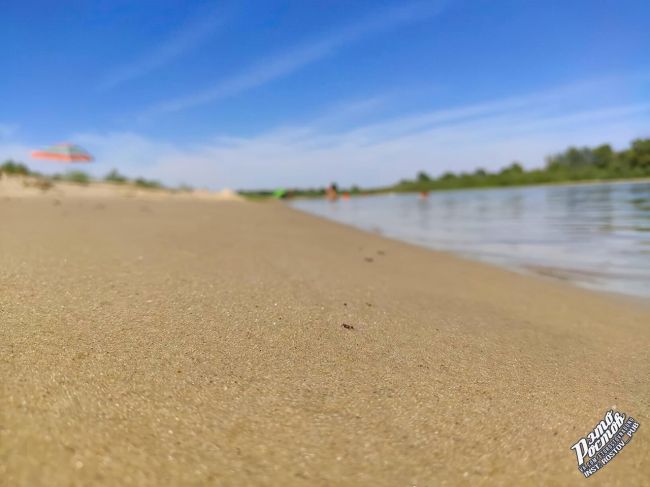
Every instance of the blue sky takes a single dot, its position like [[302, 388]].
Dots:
[[250, 94]]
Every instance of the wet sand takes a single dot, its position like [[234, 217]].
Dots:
[[190, 342]]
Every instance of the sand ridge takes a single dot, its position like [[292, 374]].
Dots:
[[29, 186]]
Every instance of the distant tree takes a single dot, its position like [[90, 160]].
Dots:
[[115, 177], [423, 177], [572, 158], [147, 183], [603, 156], [639, 154], [514, 168], [76, 176]]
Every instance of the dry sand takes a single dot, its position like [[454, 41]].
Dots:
[[188, 342], [28, 187]]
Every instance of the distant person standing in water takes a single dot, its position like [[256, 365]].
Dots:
[[332, 192]]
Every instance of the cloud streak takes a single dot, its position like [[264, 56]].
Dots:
[[489, 134], [194, 33], [284, 64]]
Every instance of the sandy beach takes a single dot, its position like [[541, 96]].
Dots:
[[180, 341]]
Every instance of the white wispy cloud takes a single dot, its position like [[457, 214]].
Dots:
[[194, 33], [555, 99], [489, 134], [283, 64]]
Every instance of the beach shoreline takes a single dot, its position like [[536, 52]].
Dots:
[[190, 341], [381, 192]]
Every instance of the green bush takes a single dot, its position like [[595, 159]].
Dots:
[[76, 176], [14, 168], [185, 188], [147, 183], [115, 177]]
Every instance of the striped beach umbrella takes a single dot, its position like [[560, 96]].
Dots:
[[63, 153]]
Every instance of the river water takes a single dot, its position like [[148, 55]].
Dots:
[[594, 235]]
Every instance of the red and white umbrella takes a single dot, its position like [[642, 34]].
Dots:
[[63, 153]]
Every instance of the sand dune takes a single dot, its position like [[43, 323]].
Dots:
[[22, 187]]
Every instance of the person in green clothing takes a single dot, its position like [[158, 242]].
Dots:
[[280, 193]]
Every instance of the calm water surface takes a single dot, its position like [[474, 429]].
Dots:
[[595, 235]]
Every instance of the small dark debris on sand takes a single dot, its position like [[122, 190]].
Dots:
[[369, 259], [347, 327]]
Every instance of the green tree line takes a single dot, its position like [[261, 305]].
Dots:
[[574, 164]]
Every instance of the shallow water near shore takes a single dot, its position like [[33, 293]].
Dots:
[[594, 235]]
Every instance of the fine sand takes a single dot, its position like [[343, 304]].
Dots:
[[180, 341], [29, 187]]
